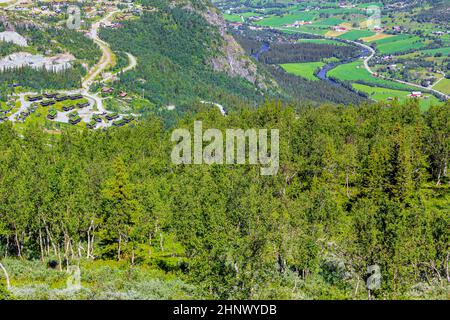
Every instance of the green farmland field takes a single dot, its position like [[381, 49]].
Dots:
[[275, 21], [399, 44], [329, 22], [355, 71], [383, 94], [305, 29], [232, 17], [445, 51], [356, 34], [443, 86], [322, 41], [304, 70]]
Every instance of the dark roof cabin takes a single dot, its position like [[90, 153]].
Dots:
[[91, 125], [119, 123], [68, 108], [61, 98], [35, 98], [75, 119], [76, 97], [47, 103], [50, 95], [128, 119], [112, 116], [52, 114], [83, 105]]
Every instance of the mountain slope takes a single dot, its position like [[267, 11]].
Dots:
[[184, 54]]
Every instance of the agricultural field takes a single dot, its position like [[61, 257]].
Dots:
[[443, 86], [444, 51], [276, 21], [356, 34], [232, 17], [355, 72], [322, 41], [398, 44], [304, 70], [329, 22], [406, 48], [384, 94]]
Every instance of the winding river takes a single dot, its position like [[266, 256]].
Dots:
[[323, 73], [264, 48]]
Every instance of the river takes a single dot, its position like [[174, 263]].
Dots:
[[264, 48], [323, 73]]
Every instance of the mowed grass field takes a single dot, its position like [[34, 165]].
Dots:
[[277, 21], [319, 31], [329, 22], [322, 41], [304, 70], [443, 86], [355, 71], [398, 44], [384, 94], [445, 51], [356, 34], [378, 36], [232, 17]]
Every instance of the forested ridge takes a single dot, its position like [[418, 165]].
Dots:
[[357, 186]]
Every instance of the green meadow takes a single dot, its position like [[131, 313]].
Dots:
[[277, 21], [329, 22], [304, 70], [384, 94], [232, 17], [445, 51], [322, 41], [443, 86], [399, 44], [356, 34], [355, 72]]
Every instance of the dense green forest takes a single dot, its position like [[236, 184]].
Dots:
[[357, 186], [38, 79]]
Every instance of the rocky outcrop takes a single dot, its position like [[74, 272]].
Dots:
[[232, 58]]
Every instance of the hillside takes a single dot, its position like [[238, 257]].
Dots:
[[185, 53]]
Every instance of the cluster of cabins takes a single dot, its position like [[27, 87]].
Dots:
[[110, 117], [3, 113], [49, 99], [24, 114], [105, 90]]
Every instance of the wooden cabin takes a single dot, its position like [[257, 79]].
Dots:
[[68, 108], [47, 103], [61, 98], [35, 98], [76, 97], [50, 95], [112, 116], [83, 105]]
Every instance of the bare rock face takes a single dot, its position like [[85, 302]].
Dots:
[[233, 59]]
